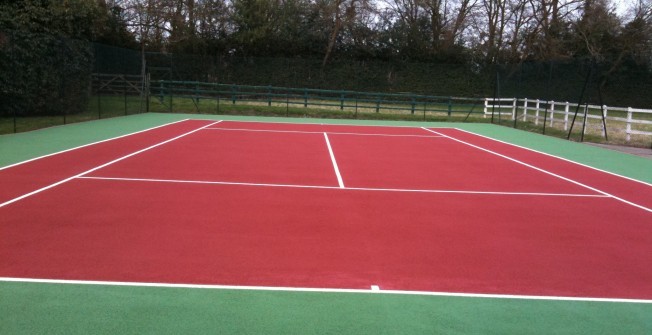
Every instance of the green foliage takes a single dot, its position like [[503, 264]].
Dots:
[[45, 60]]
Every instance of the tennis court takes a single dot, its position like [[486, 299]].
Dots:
[[250, 206]]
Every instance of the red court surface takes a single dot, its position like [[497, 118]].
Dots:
[[260, 204]]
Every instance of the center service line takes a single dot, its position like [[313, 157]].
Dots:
[[337, 170]]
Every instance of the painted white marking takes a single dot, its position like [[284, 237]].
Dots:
[[347, 188], [335, 124], [337, 170], [321, 132], [99, 167], [322, 290], [375, 288], [89, 144], [543, 170], [558, 157]]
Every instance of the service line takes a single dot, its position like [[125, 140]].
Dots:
[[207, 182], [321, 132]]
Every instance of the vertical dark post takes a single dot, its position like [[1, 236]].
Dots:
[[147, 94], [356, 106], [233, 89], [604, 121], [305, 98], [124, 91], [269, 96], [579, 103], [161, 93], [586, 110], [11, 56], [378, 103], [520, 84], [413, 104], [450, 106], [545, 113], [171, 89], [342, 100], [515, 106], [99, 101], [287, 104], [493, 105], [62, 96], [425, 102]]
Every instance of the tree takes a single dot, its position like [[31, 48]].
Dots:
[[341, 14], [550, 37], [47, 59], [596, 29]]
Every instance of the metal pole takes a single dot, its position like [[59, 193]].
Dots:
[[579, 103], [545, 115], [586, 110], [124, 91], [493, 105]]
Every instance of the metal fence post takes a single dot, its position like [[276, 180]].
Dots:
[[628, 127], [413, 104], [171, 97], [566, 110], [124, 91]]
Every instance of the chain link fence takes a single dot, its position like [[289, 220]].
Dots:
[[47, 80]]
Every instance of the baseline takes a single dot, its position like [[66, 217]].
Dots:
[[373, 290]]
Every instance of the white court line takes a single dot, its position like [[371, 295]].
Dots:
[[542, 170], [558, 157], [347, 188], [322, 290], [99, 167], [334, 124], [337, 170], [89, 144], [321, 132]]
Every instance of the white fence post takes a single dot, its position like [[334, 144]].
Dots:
[[565, 108]]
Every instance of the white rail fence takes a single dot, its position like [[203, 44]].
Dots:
[[626, 121]]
